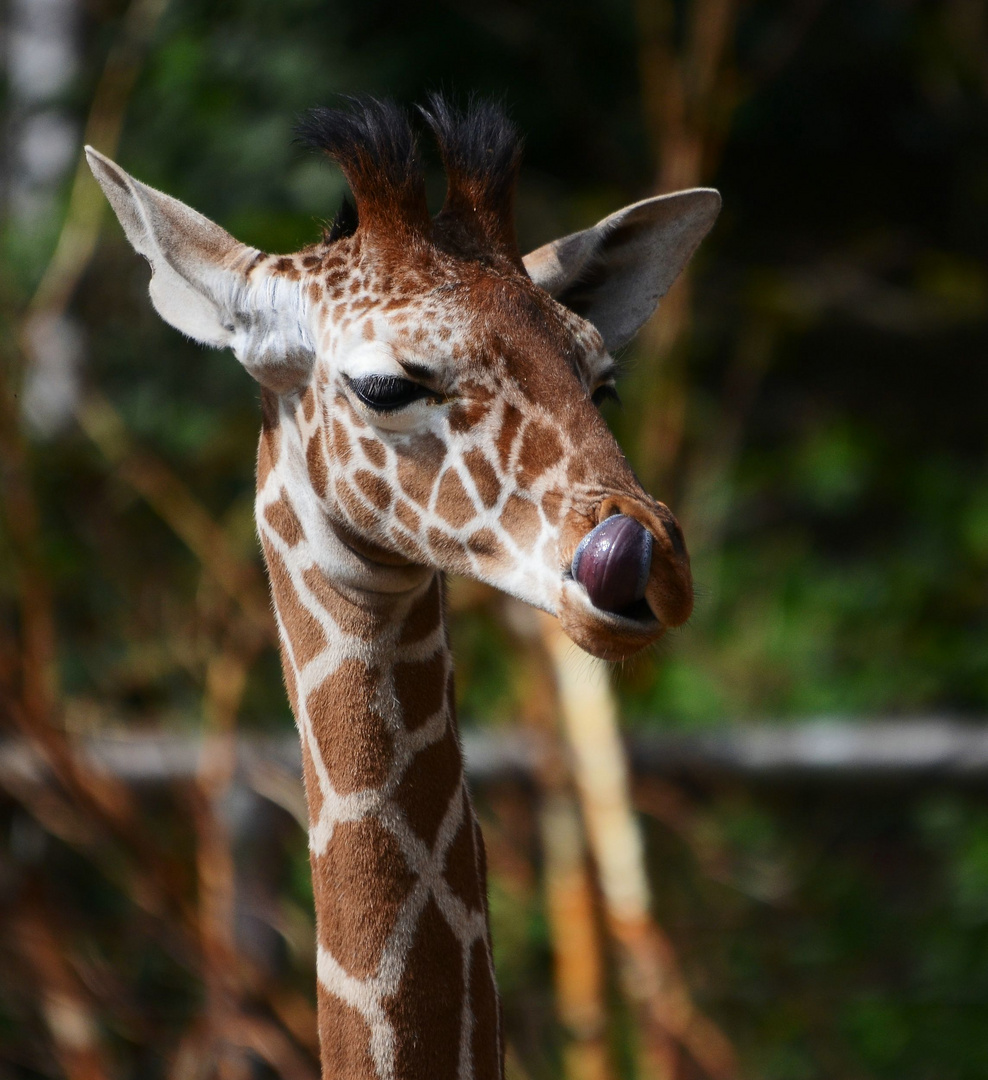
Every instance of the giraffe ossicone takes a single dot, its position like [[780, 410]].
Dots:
[[428, 401]]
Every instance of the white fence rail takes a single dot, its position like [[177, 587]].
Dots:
[[826, 749]]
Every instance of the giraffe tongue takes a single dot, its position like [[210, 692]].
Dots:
[[613, 561]]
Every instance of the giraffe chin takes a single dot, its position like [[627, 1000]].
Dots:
[[603, 634]]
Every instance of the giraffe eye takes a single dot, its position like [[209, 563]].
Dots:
[[386, 392], [605, 392]]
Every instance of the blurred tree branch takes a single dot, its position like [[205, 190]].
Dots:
[[80, 232], [65, 1002], [90, 808], [691, 88]]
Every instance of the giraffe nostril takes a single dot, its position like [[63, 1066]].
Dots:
[[675, 534], [613, 561]]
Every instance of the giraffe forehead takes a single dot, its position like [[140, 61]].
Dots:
[[460, 320], [539, 341], [492, 325]]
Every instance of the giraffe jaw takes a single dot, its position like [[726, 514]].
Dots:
[[604, 634]]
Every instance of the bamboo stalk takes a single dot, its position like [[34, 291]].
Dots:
[[578, 951], [650, 973]]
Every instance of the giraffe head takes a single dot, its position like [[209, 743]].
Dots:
[[430, 395]]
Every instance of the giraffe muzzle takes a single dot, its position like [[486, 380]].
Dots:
[[628, 580], [613, 562]]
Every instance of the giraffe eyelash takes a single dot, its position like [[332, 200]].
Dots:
[[605, 392], [386, 393]]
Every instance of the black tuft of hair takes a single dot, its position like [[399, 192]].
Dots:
[[478, 143], [367, 129], [344, 223], [373, 143], [481, 151]]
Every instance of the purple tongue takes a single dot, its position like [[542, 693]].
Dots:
[[613, 561]]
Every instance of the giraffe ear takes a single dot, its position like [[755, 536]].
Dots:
[[200, 284], [615, 273]]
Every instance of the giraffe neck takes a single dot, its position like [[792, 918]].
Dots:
[[405, 974]]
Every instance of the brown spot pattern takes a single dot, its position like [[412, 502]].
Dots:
[[419, 465], [430, 1000], [307, 637], [521, 519], [333, 277], [269, 445], [355, 741], [540, 450], [576, 470], [375, 487], [510, 424], [310, 781], [408, 516], [316, 463], [486, 544], [486, 1009], [419, 686], [340, 442], [344, 1040], [461, 871], [291, 687], [267, 455], [466, 414], [286, 265], [281, 517], [424, 617], [406, 546], [348, 617], [447, 550], [552, 504], [351, 502], [361, 881], [484, 477], [374, 452], [429, 784], [452, 501]]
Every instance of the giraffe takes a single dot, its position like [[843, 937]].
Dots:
[[429, 406]]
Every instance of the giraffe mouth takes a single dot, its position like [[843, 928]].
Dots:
[[637, 615], [638, 612], [612, 563], [626, 584], [609, 635]]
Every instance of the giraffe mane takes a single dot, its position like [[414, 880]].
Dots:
[[481, 152], [374, 144], [375, 147], [343, 224]]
